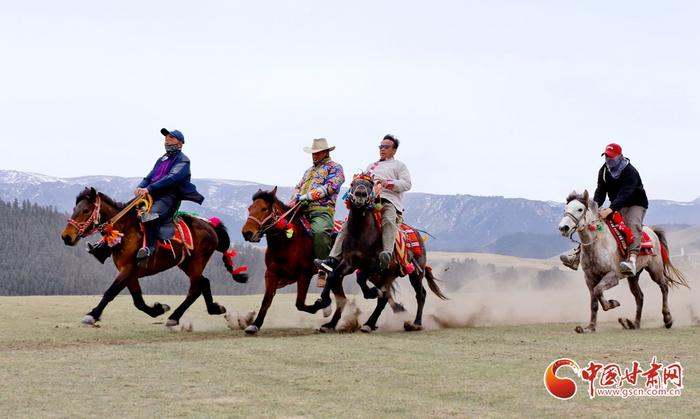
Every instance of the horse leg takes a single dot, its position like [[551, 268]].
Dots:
[[594, 309], [117, 286], [137, 296], [417, 283], [192, 294], [270, 291], [340, 301], [657, 275], [371, 323], [367, 292], [609, 280], [213, 308], [633, 282]]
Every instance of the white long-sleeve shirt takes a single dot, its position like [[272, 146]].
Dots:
[[398, 180]]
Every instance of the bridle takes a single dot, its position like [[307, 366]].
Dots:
[[94, 220], [263, 224], [577, 225], [368, 189]]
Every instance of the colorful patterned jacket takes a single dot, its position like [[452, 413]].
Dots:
[[321, 182]]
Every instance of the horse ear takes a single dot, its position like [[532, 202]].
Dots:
[[92, 195], [585, 196], [274, 191]]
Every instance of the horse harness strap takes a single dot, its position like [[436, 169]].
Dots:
[[94, 219]]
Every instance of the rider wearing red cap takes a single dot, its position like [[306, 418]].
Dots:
[[621, 183]]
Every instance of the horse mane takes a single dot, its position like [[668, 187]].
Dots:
[[574, 195], [270, 198], [579, 197], [110, 201], [85, 194]]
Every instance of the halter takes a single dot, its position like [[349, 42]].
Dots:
[[94, 219], [577, 227]]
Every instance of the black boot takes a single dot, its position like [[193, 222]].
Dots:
[[327, 265], [151, 238], [100, 251]]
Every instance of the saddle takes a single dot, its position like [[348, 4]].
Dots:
[[177, 231], [406, 245], [624, 236]]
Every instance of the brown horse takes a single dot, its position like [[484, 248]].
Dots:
[[361, 247], [288, 259], [91, 207]]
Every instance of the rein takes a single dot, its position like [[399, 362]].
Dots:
[[94, 218], [263, 229], [577, 227]]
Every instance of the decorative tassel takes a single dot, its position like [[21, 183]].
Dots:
[[290, 233]]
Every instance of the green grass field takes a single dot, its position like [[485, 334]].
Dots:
[[132, 366]]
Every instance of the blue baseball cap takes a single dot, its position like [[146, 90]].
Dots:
[[175, 133]]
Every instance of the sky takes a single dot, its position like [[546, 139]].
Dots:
[[509, 98]]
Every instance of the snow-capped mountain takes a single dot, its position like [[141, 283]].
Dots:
[[514, 226]]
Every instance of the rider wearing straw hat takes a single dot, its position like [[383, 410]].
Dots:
[[619, 181], [317, 191]]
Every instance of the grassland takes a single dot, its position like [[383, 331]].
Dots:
[[132, 366]]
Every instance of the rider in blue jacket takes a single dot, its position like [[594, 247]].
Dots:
[[169, 184]]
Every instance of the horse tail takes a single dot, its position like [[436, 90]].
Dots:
[[224, 246], [673, 275], [432, 283]]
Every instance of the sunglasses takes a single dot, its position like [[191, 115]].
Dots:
[[384, 147]]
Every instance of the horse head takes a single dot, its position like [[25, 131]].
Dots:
[[361, 194], [262, 214], [85, 218], [579, 211]]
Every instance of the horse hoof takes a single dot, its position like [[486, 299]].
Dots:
[[327, 311], [587, 329], [252, 329], [171, 323], [88, 320], [326, 329], [398, 308], [166, 308], [668, 324], [367, 329], [410, 327]]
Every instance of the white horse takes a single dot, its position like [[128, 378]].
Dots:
[[600, 260]]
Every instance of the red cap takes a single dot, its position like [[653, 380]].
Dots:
[[612, 150]]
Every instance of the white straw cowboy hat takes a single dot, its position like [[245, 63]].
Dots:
[[318, 144]]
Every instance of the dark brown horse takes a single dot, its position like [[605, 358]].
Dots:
[[361, 247], [92, 207], [287, 259]]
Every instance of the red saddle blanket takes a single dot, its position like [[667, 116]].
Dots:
[[624, 236], [182, 234]]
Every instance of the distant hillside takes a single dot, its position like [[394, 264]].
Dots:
[[34, 260], [510, 226]]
